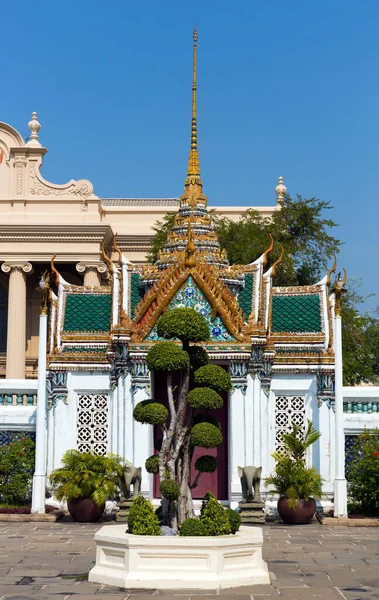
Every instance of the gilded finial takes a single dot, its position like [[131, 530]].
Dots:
[[269, 249], [54, 270], [339, 289], [276, 263], [332, 270], [45, 289], [116, 248], [193, 161], [107, 258]]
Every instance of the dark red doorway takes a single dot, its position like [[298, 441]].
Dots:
[[216, 482]]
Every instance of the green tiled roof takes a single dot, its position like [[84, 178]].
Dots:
[[296, 313], [87, 312], [245, 295], [136, 292]]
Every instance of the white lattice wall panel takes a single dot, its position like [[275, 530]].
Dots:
[[289, 410], [92, 423]]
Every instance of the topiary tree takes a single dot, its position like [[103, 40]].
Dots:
[[182, 430]]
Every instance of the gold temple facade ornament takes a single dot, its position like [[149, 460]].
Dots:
[[267, 252], [276, 263], [54, 270], [45, 290], [332, 270], [339, 289]]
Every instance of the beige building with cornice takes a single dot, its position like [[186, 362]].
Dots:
[[39, 219]]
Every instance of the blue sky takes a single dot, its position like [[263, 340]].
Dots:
[[285, 88]]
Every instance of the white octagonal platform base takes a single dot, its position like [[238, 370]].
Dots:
[[159, 562]]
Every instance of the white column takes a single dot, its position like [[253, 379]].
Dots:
[[92, 272], [237, 448], [39, 477], [16, 338], [340, 488], [143, 442], [128, 429]]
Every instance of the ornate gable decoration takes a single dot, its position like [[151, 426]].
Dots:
[[201, 277]]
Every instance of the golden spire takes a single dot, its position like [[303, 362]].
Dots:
[[193, 161]]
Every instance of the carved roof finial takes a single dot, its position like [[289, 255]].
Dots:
[[193, 161], [280, 190], [34, 126]]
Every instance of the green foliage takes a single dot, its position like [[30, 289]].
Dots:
[[16, 471], [150, 412], [192, 527], [363, 473], [208, 495], [206, 435], [152, 464], [206, 464], [299, 226], [204, 397], [186, 324], [292, 478], [166, 356], [161, 228], [198, 357], [142, 519], [215, 519], [85, 475], [213, 376], [234, 519], [169, 489], [360, 339]]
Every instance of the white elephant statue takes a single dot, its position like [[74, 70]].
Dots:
[[250, 482]]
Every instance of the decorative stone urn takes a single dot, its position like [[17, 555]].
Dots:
[[159, 562]]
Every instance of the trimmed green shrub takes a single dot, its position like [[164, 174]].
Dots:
[[213, 376], [186, 324], [208, 495], [169, 489], [193, 527], [142, 519], [234, 519], [151, 412], [215, 519], [16, 471], [152, 464], [363, 473], [204, 397], [198, 357], [166, 356], [206, 435], [206, 464]]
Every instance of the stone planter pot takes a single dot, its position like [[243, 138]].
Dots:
[[302, 515], [84, 510], [178, 563]]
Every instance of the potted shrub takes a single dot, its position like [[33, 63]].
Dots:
[[296, 484], [85, 481]]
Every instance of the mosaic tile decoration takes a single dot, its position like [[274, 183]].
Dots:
[[189, 296]]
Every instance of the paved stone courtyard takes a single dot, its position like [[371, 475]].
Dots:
[[51, 560]]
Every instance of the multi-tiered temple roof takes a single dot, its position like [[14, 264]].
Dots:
[[244, 311]]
